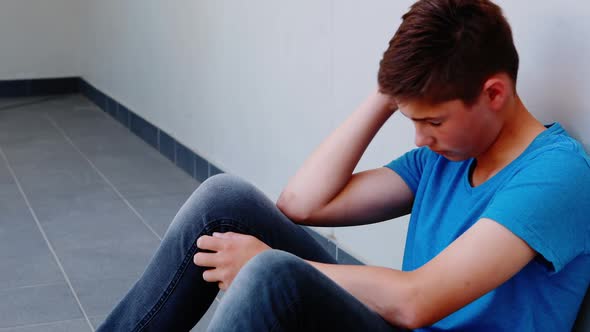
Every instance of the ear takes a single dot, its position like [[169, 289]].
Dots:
[[497, 91]]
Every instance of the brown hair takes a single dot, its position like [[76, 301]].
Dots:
[[446, 49]]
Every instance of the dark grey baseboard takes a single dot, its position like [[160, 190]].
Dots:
[[37, 87]]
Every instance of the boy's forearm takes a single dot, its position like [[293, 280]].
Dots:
[[386, 291], [327, 170]]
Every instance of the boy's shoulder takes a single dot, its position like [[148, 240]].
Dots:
[[555, 147]]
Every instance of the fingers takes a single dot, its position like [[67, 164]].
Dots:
[[213, 243], [227, 235], [212, 275], [206, 259]]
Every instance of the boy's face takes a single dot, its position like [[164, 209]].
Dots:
[[452, 129]]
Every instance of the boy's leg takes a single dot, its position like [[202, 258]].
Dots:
[[277, 291], [171, 295]]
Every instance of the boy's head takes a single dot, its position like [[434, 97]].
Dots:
[[445, 50]]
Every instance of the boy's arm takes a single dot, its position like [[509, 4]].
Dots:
[[480, 260], [324, 192]]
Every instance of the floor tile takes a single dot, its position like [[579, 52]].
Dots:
[[97, 239], [85, 122], [24, 255], [117, 144], [91, 193], [70, 101], [158, 211], [35, 305], [149, 183], [19, 126], [96, 321], [76, 325], [8, 187], [94, 224], [47, 189], [100, 296], [124, 259], [8, 103]]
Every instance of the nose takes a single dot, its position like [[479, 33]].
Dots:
[[422, 138]]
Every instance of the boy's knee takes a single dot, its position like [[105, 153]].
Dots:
[[211, 197], [263, 287], [222, 183], [223, 189], [221, 197], [274, 259], [271, 266]]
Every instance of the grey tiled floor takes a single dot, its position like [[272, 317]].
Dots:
[[83, 206]]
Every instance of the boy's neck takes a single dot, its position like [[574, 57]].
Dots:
[[519, 130]]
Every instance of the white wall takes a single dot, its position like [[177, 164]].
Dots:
[[254, 86], [554, 81], [39, 38]]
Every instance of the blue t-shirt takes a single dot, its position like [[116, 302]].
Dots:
[[543, 197]]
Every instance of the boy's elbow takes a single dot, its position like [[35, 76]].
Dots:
[[407, 318], [289, 206], [411, 318], [407, 312]]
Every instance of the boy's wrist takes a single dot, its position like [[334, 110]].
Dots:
[[385, 102]]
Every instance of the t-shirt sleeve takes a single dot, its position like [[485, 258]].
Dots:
[[547, 204], [410, 166]]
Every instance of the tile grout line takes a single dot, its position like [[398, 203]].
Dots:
[[31, 286], [28, 103], [103, 177], [55, 257]]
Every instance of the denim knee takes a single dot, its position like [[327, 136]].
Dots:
[[271, 262], [226, 186], [267, 292], [270, 269], [222, 192], [218, 197]]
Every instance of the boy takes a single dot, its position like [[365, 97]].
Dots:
[[497, 239]]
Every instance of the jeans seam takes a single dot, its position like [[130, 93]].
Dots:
[[207, 229]]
